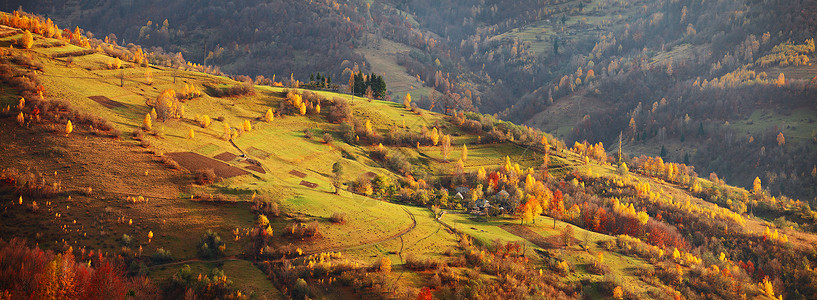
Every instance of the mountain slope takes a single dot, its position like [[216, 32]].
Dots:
[[562, 222]]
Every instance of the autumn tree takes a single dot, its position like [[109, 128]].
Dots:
[[352, 83], [68, 128], [167, 105], [622, 169], [269, 115], [481, 175], [460, 169], [756, 186], [147, 123], [247, 126], [27, 41], [781, 140], [618, 293], [191, 134], [204, 121], [445, 148], [407, 101], [781, 80], [567, 235], [369, 130], [385, 265], [149, 77], [525, 211], [337, 171], [227, 131], [464, 152], [767, 288], [557, 206], [435, 136]]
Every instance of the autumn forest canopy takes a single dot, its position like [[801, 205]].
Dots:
[[411, 149]]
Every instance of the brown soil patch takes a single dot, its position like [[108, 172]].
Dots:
[[256, 168], [226, 156], [194, 161], [370, 174], [297, 174], [106, 102], [258, 153], [308, 184], [535, 238]]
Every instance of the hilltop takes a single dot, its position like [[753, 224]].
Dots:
[[216, 187]]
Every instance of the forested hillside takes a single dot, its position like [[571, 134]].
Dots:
[[708, 83], [133, 173]]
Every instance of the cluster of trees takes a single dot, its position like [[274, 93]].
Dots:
[[372, 86], [33, 273]]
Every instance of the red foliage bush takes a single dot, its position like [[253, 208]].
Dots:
[[31, 273]]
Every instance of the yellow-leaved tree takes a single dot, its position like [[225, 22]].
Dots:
[[435, 136], [247, 125], [149, 77], [147, 123], [27, 41], [407, 101], [756, 186], [618, 293], [191, 134], [464, 152], [204, 121], [385, 265], [269, 115], [781, 80], [446, 146], [68, 128]]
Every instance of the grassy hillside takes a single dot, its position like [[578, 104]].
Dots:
[[564, 222]]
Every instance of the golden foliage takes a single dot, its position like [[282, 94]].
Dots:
[[407, 101], [147, 123], [385, 265], [27, 41], [269, 115], [618, 293], [68, 128]]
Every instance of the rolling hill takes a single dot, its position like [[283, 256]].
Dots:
[[194, 184]]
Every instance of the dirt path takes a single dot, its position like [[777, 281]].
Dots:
[[355, 247], [195, 260]]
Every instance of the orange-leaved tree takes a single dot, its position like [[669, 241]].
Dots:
[[27, 41]]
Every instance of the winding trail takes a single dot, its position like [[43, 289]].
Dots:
[[365, 245]]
